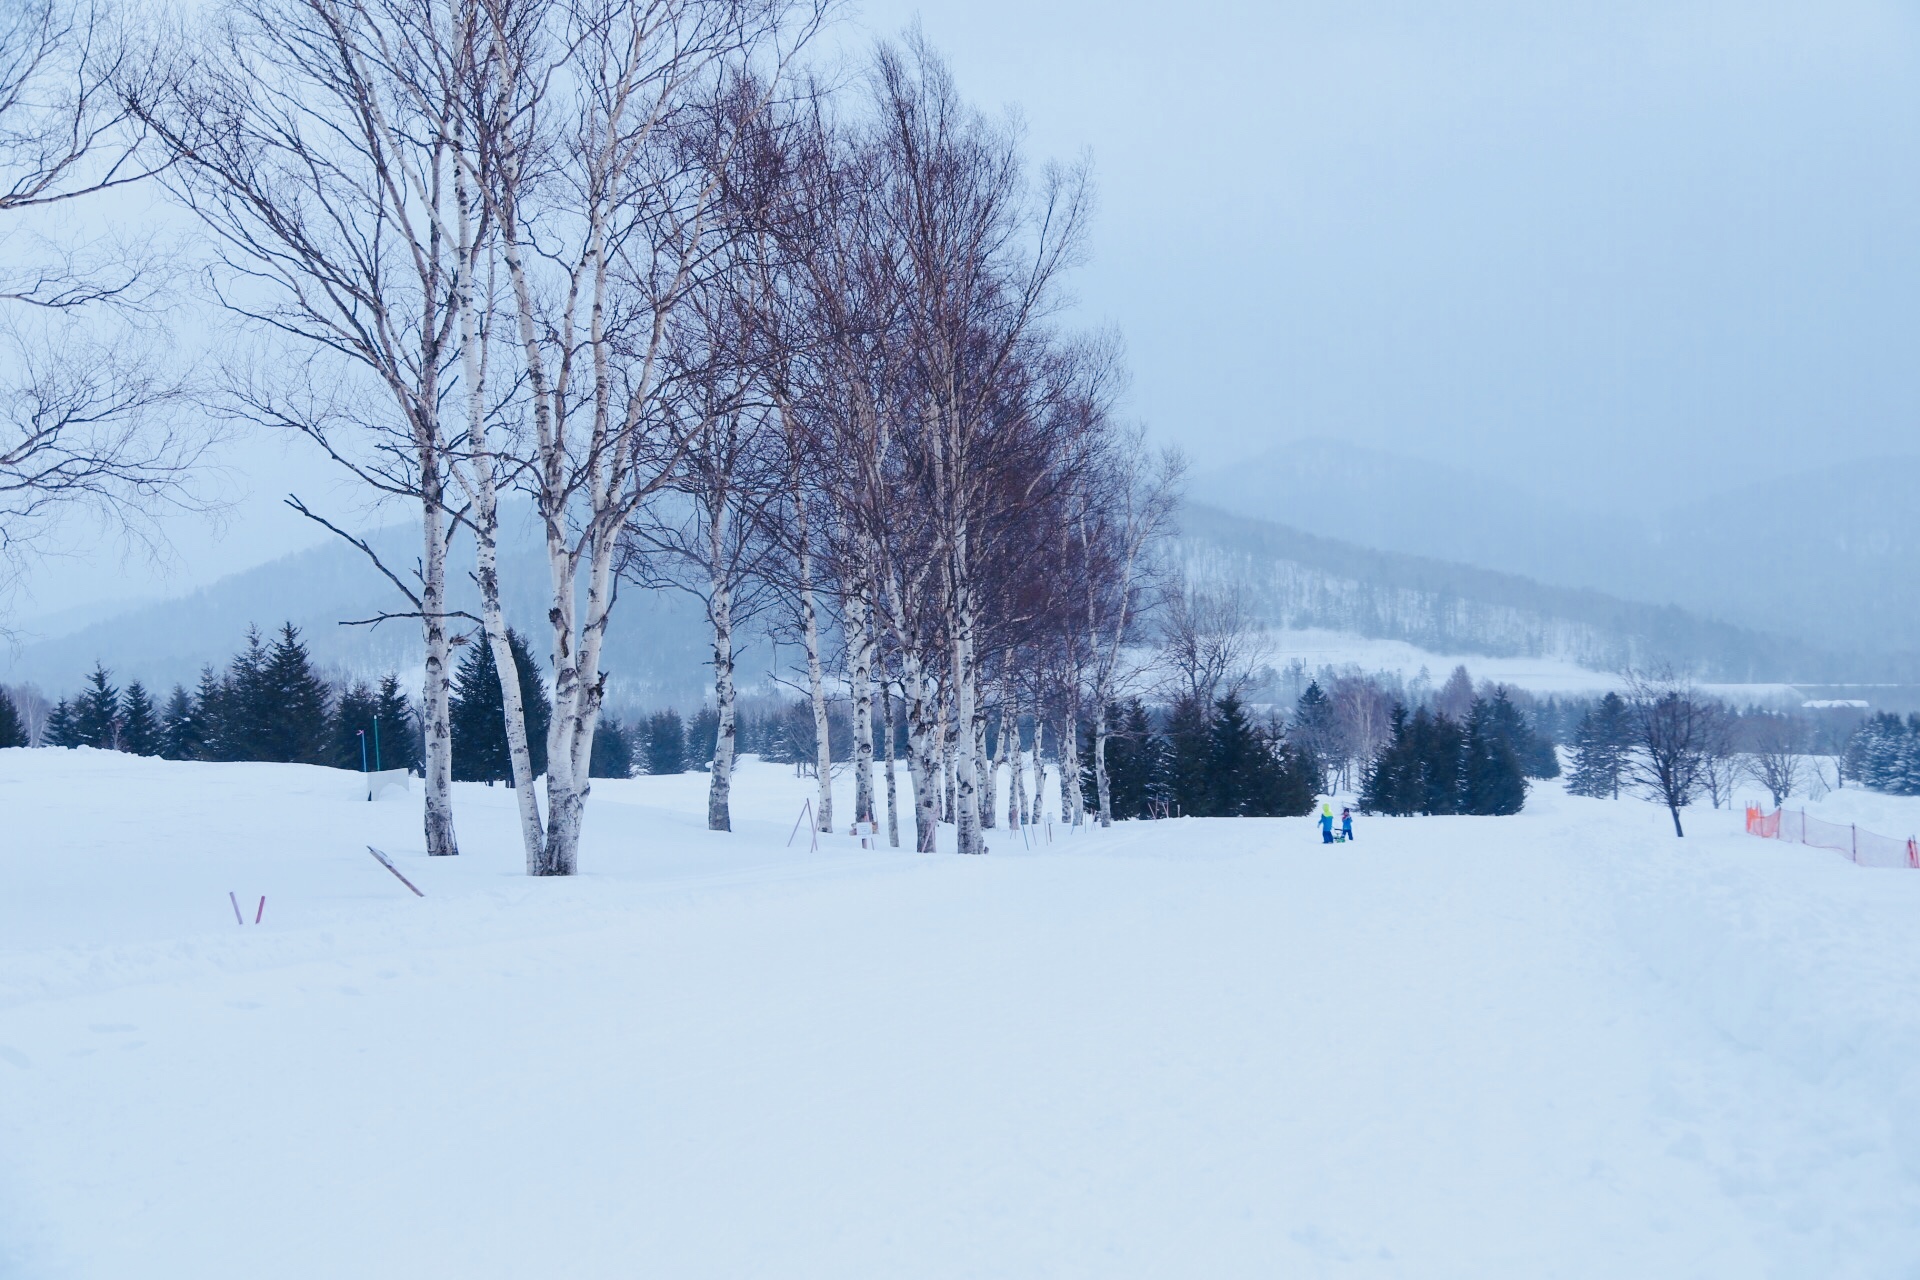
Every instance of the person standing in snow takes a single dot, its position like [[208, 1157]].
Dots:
[[1326, 824], [1346, 825]]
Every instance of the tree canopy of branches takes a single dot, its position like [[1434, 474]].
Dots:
[[88, 406]]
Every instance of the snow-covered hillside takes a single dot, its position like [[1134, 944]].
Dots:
[[1561, 1044]]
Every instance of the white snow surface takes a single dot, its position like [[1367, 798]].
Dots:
[[1563, 1044], [1543, 675]]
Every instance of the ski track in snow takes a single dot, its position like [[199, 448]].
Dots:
[[1562, 1044]]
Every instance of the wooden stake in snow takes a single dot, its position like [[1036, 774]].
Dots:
[[386, 862]]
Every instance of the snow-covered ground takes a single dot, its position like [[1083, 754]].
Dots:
[[1561, 1044]]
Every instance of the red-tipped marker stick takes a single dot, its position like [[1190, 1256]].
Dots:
[[387, 862], [263, 909]]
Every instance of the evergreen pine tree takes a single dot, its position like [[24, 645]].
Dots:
[[399, 744], [1239, 768], [139, 726], [1188, 747], [290, 708], [1490, 768], [96, 716], [61, 731], [1158, 768], [1439, 748], [703, 738], [217, 731], [1129, 748], [1388, 784], [350, 738], [243, 712], [666, 744], [1314, 728], [478, 714], [1533, 750], [1909, 775], [612, 753], [1600, 747], [179, 727], [13, 728], [1376, 778]]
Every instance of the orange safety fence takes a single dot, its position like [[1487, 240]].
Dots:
[[1864, 848]]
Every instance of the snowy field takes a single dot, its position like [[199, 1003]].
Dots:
[[1557, 1045], [1544, 676]]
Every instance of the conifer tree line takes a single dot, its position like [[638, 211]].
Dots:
[[269, 704], [1433, 764], [1884, 754]]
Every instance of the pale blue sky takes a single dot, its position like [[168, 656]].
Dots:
[[1598, 246]]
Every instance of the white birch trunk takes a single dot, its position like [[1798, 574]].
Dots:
[[1016, 776], [720, 786], [1073, 806], [860, 661], [922, 757], [893, 802], [1101, 787], [966, 769], [816, 682], [435, 695], [946, 761], [485, 518], [989, 784], [1039, 767], [493, 620]]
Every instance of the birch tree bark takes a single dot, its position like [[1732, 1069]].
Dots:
[[1016, 775], [816, 681], [860, 680], [893, 803], [988, 768]]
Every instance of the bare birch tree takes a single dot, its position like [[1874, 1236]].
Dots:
[[314, 139], [86, 421], [603, 185], [1121, 503], [981, 254]]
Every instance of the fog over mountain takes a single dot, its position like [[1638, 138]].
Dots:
[[1823, 557]]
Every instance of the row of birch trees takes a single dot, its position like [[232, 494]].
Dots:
[[792, 349]]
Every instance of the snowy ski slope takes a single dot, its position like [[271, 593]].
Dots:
[[1562, 1044]]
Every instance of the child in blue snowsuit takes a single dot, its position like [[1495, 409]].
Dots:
[[1346, 825], [1326, 824]]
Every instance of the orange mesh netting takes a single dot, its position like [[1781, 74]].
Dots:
[[1866, 848]]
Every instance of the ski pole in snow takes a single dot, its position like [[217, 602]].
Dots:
[[263, 909], [387, 862], [806, 816], [237, 917]]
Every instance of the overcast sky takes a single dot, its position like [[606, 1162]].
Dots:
[[1635, 246]]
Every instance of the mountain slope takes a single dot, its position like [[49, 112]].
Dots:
[[1298, 580], [1828, 556], [657, 647]]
